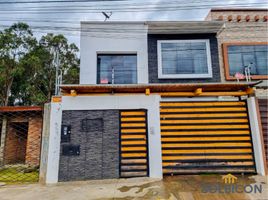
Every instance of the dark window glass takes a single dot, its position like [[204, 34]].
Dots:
[[254, 56], [184, 58], [117, 69]]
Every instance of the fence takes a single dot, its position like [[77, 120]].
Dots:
[[20, 143]]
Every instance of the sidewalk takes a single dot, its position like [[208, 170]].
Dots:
[[170, 188]]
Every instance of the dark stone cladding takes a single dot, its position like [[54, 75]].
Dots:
[[99, 148], [153, 64]]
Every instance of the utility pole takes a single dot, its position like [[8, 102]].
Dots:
[[58, 78]]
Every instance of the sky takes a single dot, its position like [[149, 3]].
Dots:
[[61, 16]]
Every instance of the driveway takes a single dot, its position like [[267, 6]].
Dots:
[[197, 187]]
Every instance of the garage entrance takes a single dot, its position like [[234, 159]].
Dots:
[[206, 137], [134, 144]]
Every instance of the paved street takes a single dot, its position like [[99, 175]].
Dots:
[[170, 188]]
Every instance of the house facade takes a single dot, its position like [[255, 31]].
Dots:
[[242, 43], [151, 102]]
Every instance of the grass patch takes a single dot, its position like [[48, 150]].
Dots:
[[19, 174]]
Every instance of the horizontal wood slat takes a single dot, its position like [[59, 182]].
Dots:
[[219, 157], [216, 109], [132, 119], [192, 104], [204, 121], [238, 163], [208, 151], [215, 144], [133, 137], [205, 137], [132, 113], [207, 115], [215, 170], [133, 130], [233, 132], [133, 125], [192, 127], [133, 149]]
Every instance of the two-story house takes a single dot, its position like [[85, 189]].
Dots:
[[151, 102]]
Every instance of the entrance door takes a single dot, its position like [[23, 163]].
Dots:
[[206, 137], [134, 143]]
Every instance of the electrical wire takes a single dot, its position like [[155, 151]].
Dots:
[[124, 10], [54, 1]]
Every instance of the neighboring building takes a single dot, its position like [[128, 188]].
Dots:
[[244, 42], [20, 129], [151, 102]]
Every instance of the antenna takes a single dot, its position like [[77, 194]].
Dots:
[[106, 15]]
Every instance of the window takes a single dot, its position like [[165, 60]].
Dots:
[[239, 56], [117, 69], [184, 59]]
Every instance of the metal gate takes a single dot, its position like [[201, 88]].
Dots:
[[206, 137], [133, 143]]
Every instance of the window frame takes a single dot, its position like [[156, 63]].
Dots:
[[116, 53], [225, 46], [183, 76]]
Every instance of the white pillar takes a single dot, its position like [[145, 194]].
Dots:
[[256, 136], [54, 143]]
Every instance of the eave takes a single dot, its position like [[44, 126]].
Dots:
[[190, 90]]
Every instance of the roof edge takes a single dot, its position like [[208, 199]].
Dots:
[[20, 108], [237, 9]]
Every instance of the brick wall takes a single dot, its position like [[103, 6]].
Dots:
[[34, 141], [15, 146], [153, 63]]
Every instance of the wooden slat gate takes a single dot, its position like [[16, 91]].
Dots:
[[206, 137], [133, 144]]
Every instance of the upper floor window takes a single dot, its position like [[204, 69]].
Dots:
[[239, 57], [184, 59], [117, 68]]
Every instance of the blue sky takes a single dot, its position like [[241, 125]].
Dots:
[[65, 17]]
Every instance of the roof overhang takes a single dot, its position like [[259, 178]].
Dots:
[[4, 109], [206, 89], [165, 27], [184, 27]]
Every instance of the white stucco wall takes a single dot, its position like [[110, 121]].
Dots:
[[54, 143], [151, 103], [112, 38], [256, 136]]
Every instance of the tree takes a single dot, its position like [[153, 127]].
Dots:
[[15, 43], [68, 60], [27, 67]]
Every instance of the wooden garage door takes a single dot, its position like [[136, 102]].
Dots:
[[134, 159], [263, 105], [206, 137]]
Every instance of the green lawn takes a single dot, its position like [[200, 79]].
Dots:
[[18, 175]]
